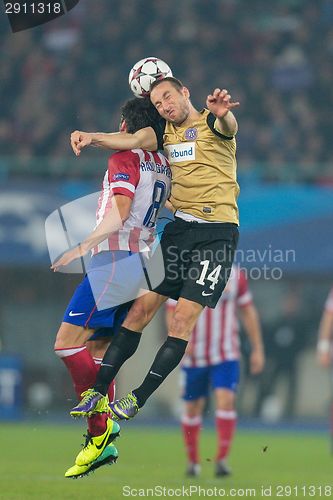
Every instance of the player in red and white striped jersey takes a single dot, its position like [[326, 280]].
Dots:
[[212, 358], [325, 337], [141, 176], [135, 188]]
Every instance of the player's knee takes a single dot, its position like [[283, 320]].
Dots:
[[180, 325], [70, 336], [66, 343], [60, 344], [225, 400], [193, 409], [184, 319], [97, 348], [62, 340], [138, 317], [226, 406]]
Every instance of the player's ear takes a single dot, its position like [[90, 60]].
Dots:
[[186, 92], [123, 126]]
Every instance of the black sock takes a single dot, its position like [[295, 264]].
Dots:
[[122, 347], [167, 358]]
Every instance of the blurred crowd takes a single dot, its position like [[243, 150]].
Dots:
[[275, 58]]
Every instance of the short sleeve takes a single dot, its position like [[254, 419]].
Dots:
[[212, 124], [124, 173], [244, 296]]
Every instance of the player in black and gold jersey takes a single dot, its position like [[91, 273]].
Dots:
[[198, 247]]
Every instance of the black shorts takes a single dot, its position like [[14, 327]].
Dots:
[[197, 260]]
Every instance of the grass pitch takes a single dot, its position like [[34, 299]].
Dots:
[[34, 458]]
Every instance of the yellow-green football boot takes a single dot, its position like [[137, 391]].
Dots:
[[95, 445], [108, 457]]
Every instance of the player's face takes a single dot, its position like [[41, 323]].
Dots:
[[172, 104]]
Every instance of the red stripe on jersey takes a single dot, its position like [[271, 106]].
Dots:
[[114, 242], [134, 239]]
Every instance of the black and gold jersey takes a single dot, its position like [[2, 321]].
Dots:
[[203, 164]]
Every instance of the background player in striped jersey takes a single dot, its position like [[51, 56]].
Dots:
[[325, 337], [135, 187], [212, 359]]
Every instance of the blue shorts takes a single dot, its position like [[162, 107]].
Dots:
[[199, 380], [105, 295]]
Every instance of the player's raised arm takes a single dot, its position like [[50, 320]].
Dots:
[[220, 104], [144, 139]]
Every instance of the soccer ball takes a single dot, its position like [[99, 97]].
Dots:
[[145, 72]]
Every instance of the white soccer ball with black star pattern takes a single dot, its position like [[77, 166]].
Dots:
[[145, 72]]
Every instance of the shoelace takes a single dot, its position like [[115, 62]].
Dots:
[[88, 396], [127, 403]]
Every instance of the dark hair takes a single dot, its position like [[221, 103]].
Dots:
[[139, 113], [174, 82]]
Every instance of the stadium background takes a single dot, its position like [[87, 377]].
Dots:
[[72, 73]]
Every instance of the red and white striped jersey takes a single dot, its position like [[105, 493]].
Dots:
[[145, 177], [329, 302], [215, 337]]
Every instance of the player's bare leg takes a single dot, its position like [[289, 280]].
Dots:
[[143, 310], [184, 318], [71, 336], [98, 348]]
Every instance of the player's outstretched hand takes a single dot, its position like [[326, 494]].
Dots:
[[80, 140], [67, 258], [219, 103]]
